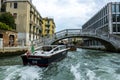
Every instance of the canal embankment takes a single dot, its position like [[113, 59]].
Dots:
[[11, 51], [101, 48]]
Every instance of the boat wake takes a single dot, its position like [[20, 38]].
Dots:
[[22, 73], [75, 72], [76, 66]]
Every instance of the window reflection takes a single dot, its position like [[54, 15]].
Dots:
[[113, 8], [117, 8], [118, 17], [118, 27], [114, 17], [114, 27]]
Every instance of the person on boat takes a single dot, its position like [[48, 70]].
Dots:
[[32, 48], [27, 53]]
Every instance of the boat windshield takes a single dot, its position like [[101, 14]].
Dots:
[[47, 48], [52, 48]]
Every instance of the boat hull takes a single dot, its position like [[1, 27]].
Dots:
[[43, 61], [72, 47]]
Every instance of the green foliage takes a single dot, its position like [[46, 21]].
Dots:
[[3, 26], [8, 19]]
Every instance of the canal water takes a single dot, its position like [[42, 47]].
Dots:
[[78, 65]]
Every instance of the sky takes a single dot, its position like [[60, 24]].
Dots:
[[69, 14]]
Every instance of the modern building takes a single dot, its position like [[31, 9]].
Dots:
[[48, 27], [28, 20], [107, 20]]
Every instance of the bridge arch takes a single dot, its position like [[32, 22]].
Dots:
[[109, 44]]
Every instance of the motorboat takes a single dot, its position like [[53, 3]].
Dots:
[[72, 47], [45, 55]]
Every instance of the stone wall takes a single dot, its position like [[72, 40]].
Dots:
[[9, 38]]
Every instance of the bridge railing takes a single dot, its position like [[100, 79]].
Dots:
[[108, 37], [115, 39], [70, 32], [74, 32], [102, 34]]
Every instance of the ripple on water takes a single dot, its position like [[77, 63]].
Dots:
[[74, 70], [80, 65], [22, 73]]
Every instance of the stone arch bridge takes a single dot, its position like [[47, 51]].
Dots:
[[110, 42]]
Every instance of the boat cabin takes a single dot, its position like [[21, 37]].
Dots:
[[53, 47]]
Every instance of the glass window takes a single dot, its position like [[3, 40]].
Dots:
[[106, 28], [102, 21], [114, 17], [118, 27], [106, 10], [118, 17], [117, 8], [106, 19], [114, 27], [15, 5], [113, 8]]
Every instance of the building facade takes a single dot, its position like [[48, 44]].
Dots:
[[8, 38], [28, 20], [0, 5], [48, 27], [107, 20]]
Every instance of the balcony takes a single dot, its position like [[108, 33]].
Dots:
[[31, 10], [47, 24]]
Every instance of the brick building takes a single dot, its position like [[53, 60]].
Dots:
[[8, 38]]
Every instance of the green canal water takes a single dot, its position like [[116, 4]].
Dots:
[[78, 65]]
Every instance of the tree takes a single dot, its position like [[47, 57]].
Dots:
[[3, 26], [8, 19]]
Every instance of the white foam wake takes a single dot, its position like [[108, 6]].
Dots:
[[75, 72], [23, 73], [91, 75]]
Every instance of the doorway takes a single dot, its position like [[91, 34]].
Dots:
[[11, 40]]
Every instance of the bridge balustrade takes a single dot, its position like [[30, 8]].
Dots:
[[78, 32]]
